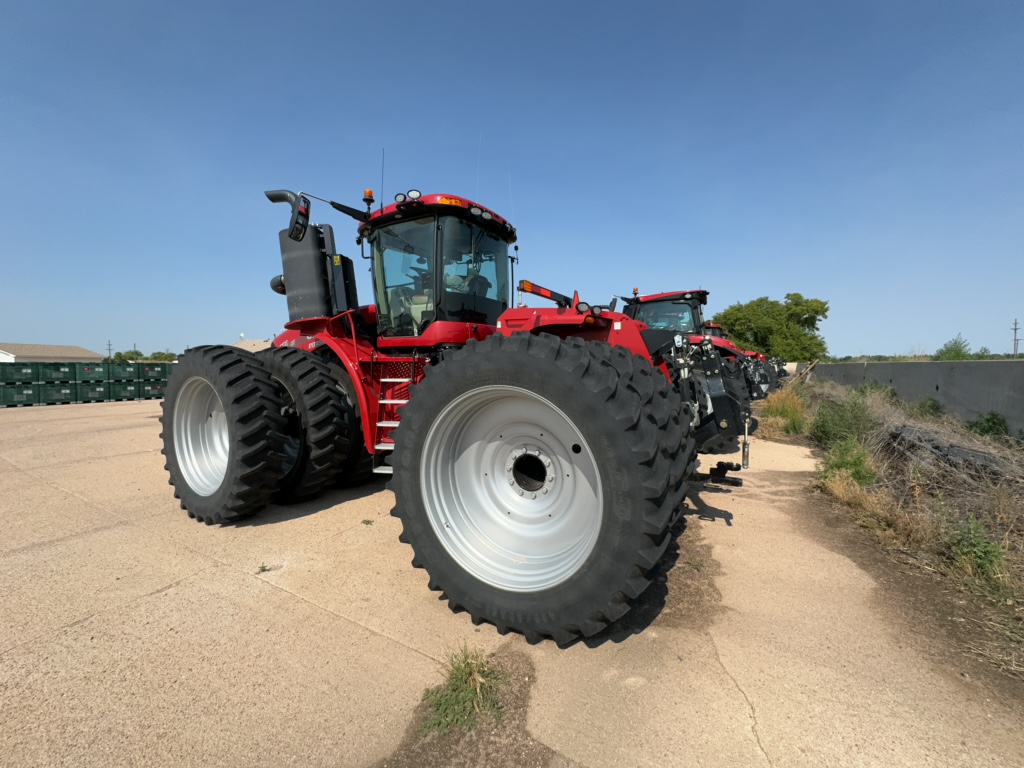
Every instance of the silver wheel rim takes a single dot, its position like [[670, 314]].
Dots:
[[511, 488], [201, 441]]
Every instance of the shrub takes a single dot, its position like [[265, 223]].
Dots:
[[849, 456], [838, 420], [991, 424], [929, 408]]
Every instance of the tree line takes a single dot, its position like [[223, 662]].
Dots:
[[135, 355]]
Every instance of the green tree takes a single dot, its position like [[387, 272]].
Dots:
[[784, 329], [124, 357], [163, 357], [954, 349]]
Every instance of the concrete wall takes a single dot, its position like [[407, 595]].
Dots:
[[967, 389]]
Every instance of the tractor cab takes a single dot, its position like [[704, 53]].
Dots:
[[715, 330], [440, 268], [679, 312], [440, 262]]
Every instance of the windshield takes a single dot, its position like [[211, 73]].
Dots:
[[466, 280], [667, 315], [474, 273], [403, 276]]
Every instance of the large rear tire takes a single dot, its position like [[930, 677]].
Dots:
[[317, 436], [357, 465], [222, 434], [536, 479]]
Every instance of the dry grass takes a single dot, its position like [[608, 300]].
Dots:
[[941, 492], [930, 488], [771, 427], [787, 410]]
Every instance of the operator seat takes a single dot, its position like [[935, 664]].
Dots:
[[421, 304], [478, 285]]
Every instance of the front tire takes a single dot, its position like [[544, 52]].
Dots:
[[222, 434], [536, 479]]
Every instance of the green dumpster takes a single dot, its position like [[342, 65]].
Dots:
[[55, 373], [17, 394], [122, 372], [54, 394], [151, 390], [93, 392], [124, 390], [90, 372], [17, 373], [154, 371]]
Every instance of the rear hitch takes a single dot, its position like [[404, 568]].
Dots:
[[717, 475]]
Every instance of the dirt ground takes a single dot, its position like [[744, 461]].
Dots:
[[777, 633]]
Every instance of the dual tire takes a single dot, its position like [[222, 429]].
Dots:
[[241, 431]]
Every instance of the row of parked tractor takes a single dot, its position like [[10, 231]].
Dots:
[[539, 456]]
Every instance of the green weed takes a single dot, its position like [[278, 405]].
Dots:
[[972, 550], [848, 455], [471, 688]]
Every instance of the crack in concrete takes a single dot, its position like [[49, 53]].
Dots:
[[119, 606], [141, 524], [750, 704]]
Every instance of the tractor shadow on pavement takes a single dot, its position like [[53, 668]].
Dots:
[[673, 593], [704, 510], [279, 513]]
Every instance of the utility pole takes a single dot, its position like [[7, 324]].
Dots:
[[1016, 327], [110, 350]]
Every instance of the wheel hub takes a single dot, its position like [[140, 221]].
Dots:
[[530, 472]]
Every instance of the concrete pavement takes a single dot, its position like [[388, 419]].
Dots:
[[131, 635]]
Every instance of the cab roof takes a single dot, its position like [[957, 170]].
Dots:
[[699, 295], [462, 207]]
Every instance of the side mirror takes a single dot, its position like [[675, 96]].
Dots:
[[612, 304], [300, 211]]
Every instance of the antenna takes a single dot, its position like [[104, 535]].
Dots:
[[382, 178], [479, 151], [511, 202]]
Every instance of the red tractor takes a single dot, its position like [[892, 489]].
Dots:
[[539, 456], [709, 372], [765, 372]]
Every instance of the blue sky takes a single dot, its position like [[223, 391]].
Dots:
[[870, 154]]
